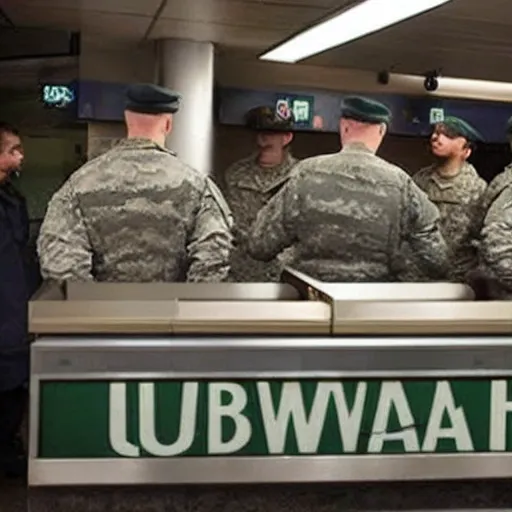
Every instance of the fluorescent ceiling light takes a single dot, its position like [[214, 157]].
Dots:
[[358, 21]]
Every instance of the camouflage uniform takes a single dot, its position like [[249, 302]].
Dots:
[[493, 230], [248, 188], [501, 182], [346, 216], [136, 214], [457, 199]]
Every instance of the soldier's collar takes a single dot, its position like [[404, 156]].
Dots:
[[444, 182], [288, 160], [143, 143], [356, 146], [461, 170]]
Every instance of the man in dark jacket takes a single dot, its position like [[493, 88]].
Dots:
[[14, 295]]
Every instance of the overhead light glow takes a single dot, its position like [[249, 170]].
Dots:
[[358, 21]]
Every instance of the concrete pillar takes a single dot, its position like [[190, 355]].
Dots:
[[187, 67]]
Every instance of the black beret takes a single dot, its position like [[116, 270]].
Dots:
[[152, 99], [267, 119], [461, 128], [365, 110]]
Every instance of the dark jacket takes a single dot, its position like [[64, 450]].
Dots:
[[14, 289]]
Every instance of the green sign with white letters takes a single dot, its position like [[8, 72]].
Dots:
[[92, 419]]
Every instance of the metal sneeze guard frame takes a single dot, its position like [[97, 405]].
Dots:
[[319, 338]]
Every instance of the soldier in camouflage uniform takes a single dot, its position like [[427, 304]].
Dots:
[[493, 232], [347, 214], [250, 183], [137, 213], [455, 187]]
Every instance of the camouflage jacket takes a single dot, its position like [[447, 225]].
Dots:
[[494, 225], [136, 214], [248, 188], [346, 216], [457, 199], [501, 182]]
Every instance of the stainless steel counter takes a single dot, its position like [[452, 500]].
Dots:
[[294, 383]]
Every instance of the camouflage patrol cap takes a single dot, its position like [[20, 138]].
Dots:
[[460, 128], [268, 120], [152, 99], [365, 110]]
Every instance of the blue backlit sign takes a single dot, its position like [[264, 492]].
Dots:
[[58, 96]]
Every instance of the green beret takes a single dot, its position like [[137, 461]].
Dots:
[[365, 110], [509, 126], [267, 119], [461, 128], [152, 99]]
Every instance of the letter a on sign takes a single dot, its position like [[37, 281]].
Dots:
[[459, 431], [392, 395]]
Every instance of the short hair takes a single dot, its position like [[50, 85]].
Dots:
[[7, 128], [471, 145]]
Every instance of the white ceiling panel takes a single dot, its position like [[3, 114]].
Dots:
[[248, 14], [142, 7], [330, 4], [227, 35], [479, 10], [68, 19], [467, 38], [92, 23], [469, 45]]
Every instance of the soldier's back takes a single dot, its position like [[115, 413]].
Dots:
[[493, 227], [138, 202], [496, 187], [350, 219]]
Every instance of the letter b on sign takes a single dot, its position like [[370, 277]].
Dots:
[[233, 410]]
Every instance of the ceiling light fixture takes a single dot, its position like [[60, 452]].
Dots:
[[358, 21]]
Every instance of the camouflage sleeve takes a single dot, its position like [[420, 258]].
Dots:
[[465, 260], [406, 265], [210, 244], [496, 240], [63, 245], [478, 213], [275, 227], [406, 268], [420, 226]]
